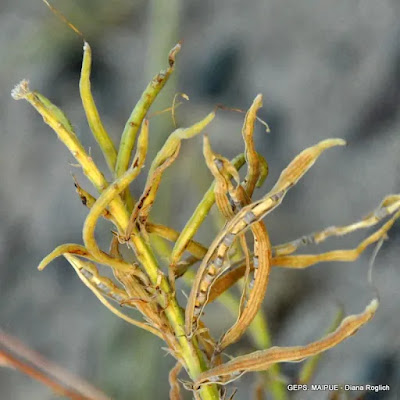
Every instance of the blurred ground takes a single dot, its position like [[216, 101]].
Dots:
[[326, 69]]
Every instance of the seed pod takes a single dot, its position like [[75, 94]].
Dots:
[[264, 359], [250, 214]]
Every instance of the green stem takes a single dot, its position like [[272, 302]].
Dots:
[[92, 115], [260, 334], [198, 216], [139, 112]]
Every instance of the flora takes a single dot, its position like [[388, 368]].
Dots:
[[210, 271]]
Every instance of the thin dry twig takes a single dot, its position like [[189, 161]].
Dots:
[[175, 390], [9, 360], [49, 367]]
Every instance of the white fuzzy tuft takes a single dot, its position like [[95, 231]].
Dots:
[[20, 90]]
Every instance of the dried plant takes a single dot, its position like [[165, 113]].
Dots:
[[149, 289]]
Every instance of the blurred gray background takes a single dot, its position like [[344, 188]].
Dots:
[[326, 69]]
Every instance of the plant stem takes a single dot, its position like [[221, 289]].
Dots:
[[191, 355]]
